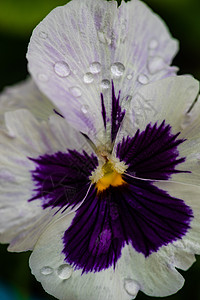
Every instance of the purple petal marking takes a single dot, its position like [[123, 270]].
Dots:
[[95, 245], [137, 213], [117, 114], [62, 179], [103, 112], [152, 153], [59, 114]]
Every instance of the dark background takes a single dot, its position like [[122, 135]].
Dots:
[[17, 20]]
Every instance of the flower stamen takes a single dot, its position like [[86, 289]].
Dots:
[[109, 177]]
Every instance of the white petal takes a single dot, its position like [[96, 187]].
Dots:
[[190, 148], [157, 274], [170, 99], [25, 95], [89, 43], [21, 222], [47, 263], [190, 194], [153, 274]]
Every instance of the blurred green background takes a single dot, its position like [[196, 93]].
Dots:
[[17, 20]]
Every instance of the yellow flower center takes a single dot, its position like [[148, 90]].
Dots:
[[110, 177]]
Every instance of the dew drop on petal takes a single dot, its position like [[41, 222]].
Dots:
[[117, 69], [153, 44], [62, 69], [129, 76], [46, 270], [64, 271], [43, 35], [105, 84], [75, 91], [88, 77], [84, 109], [42, 77], [143, 79], [131, 287], [156, 64], [95, 67]]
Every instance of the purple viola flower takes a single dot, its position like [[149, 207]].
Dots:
[[102, 183]]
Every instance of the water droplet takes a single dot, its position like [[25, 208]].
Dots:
[[117, 69], [143, 79], [46, 270], [62, 69], [105, 84], [42, 77], [129, 76], [103, 38], [156, 64], [153, 44], [75, 91], [84, 109], [88, 77], [131, 287], [64, 271], [43, 35], [95, 67]]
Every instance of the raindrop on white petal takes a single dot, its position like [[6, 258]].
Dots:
[[75, 91], [117, 69], [46, 270], [43, 35], [153, 44], [129, 76], [105, 84], [88, 77], [95, 67], [62, 69], [131, 287], [64, 271], [156, 64], [42, 77], [84, 109], [143, 79]]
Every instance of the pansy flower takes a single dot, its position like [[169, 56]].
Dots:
[[105, 191]]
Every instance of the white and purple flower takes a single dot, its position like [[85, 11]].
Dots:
[[103, 182]]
